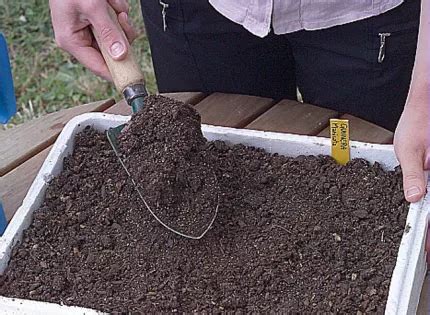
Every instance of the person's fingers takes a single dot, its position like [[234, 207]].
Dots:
[[93, 60], [128, 28], [80, 45], [119, 5], [109, 34], [412, 163]]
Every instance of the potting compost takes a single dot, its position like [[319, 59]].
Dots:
[[300, 234], [163, 149]]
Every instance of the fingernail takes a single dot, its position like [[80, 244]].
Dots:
[[117, 49], [413, 191]]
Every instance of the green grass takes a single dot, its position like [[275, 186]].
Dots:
[[47, 79]]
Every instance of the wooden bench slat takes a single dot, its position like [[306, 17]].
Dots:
[[232, 110], [294, 117], [187, 97], [15, 184], [24, 141], [121, 108], [362, 130]]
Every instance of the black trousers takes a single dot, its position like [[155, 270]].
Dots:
[[336, 68]]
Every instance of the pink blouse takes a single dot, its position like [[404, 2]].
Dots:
[[293, 15]]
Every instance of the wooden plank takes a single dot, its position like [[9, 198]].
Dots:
[[294, 117], [424, 305], [121, 108], [232, 110], [15, 184], [362, 130], [24, 141], [186, 97]]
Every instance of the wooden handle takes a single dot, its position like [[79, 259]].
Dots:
[[126, 71]]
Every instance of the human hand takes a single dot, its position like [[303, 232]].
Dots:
[[411, 143], [72, 21], [412, 146]]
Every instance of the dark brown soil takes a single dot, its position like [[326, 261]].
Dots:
[[299, 234], [163, 149]]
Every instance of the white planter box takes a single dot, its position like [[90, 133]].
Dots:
[[410, 267]]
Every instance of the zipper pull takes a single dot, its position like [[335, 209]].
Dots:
[[164, 13], [383, 43]]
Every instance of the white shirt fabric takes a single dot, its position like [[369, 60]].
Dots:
[[294, 15]]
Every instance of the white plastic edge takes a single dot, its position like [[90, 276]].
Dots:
[[409, 272], [28, 307]]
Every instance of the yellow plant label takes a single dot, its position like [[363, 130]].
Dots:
[[339, 134]]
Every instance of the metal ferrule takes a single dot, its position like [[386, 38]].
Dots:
[[134, 91]]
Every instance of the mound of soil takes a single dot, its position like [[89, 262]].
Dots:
[[302, 234], [162, 147]]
